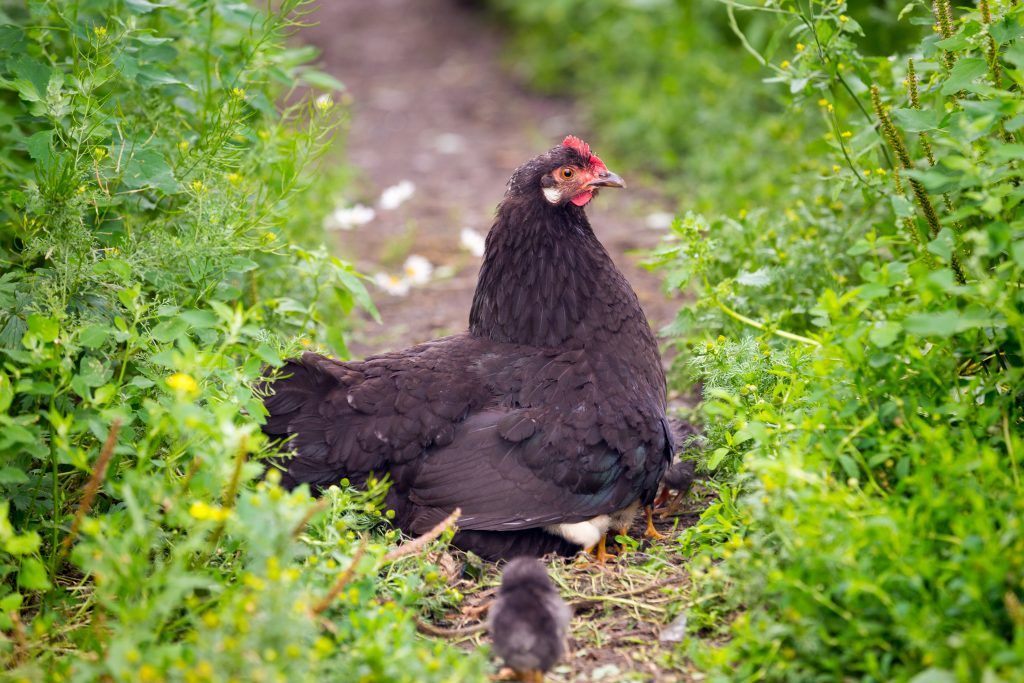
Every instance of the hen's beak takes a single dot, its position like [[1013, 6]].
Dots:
[[606, 179]]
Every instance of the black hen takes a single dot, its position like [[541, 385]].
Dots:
[[529, 621], [544, 422]]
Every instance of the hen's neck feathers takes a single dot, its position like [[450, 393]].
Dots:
[[547, 281]]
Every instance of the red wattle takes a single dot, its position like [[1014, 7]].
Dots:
[[582, 198]]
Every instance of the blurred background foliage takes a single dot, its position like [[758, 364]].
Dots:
[[854, 246]]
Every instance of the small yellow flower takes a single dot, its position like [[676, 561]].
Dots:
[[800, 47], [305, 342], [197, 186], [211, 619], [263, 135], [881, 171], [183, 146], [324, 102], [847, 134], [99, 152], [843, 18], [183, 383], [743, 214], [785, 64], [148, 672], [81, 189], [238, 93], [204, 511], [234, 178], [830, 137], [822, 102], [254, 582], [100, 32], [867, 171], [835, 168]]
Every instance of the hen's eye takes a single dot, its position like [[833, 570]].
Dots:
[[567, 173]]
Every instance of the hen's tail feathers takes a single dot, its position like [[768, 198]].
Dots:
[[293, 399]]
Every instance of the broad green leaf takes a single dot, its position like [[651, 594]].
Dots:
[[23, 544], [850, 466], [93, 372], [716, 458], [884, 333], [963, 75], [45, 328], [31, 79], [944, 323], [199, 318], [40, 146], [13, 475], [116, 266], [917, 120], [147, 168], [33, 575], [1006, 29], [943, 244], [94, 336], [322, 80], [169, 330]]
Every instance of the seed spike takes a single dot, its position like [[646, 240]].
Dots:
[[899, 148]]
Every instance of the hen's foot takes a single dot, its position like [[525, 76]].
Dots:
[[651, 532]]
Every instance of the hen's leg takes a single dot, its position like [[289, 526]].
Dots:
[[651, 532], [600, 551]]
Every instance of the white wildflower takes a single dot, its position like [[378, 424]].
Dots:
[[324, 102], [346, 218], [659, 220], [396, 195], [472, 241], [392, 284], [418, 269]]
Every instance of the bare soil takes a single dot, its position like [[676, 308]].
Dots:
[[432, 103]]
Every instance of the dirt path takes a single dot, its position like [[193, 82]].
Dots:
[[432, 105]]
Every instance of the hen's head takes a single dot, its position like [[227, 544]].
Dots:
[[566, 175]]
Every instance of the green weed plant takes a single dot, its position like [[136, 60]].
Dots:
[[159, 249]]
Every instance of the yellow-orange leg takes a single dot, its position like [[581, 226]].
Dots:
[[651, 532], [534, 676], [600, 551]]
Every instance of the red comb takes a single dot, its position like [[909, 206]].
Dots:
[[575, 143]]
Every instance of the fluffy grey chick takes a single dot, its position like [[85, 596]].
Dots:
[[529, 621]]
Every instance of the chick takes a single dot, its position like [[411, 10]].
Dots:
[[679, 477], [529, 621]]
